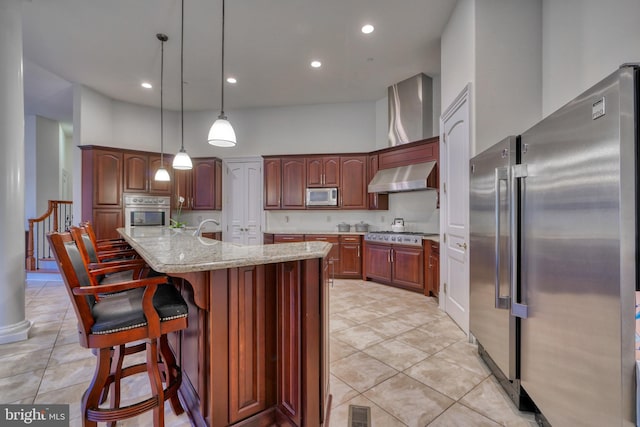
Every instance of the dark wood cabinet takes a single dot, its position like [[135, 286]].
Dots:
[[396, 265], [160, 188], [140, 171], [293, 183], [102, 174], [247, 342], [288, 238], [323, 171], [408, 267], [353, 187], [215, 235], [136, 170], [432, 268], [350, 257], [377, 201], [272, 183], [201, 187], [378, 262]]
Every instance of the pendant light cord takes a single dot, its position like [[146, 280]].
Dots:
[[162, 40], [222, 68], [182, 81]]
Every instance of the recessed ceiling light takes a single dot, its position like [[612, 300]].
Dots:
[[146, 85], [367, 29], [316, 64], [231, 80]]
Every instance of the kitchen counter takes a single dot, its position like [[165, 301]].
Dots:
[[169, 250], [257, 342], [360, 233], [432, 237]]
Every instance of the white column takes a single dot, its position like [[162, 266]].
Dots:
[[13, 324]]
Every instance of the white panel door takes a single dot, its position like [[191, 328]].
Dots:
[[454, 191], [243, 202]]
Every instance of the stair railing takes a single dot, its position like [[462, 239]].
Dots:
[[59, 216]]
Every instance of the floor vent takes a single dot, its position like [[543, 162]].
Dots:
[[359, 416]]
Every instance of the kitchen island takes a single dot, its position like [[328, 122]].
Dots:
[[256, 350]]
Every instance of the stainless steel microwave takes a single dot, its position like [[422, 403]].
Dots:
[[322, 196]]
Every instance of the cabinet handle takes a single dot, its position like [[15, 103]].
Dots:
[[358, 251], [430, 265]]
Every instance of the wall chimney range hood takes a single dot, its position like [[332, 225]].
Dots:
[[410, 110], [403, 178]]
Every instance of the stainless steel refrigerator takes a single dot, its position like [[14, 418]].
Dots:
[[553, 251]]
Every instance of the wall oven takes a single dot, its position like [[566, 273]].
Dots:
[[146, 210]]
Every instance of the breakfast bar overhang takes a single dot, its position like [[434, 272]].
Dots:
[[255, 352]]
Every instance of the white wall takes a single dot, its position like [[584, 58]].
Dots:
[[508, 78], [47, 163], [457, 53], [583, 42]]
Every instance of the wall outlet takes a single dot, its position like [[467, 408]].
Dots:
[[328, 218], [286, 218], [199, 218], [382, 218]]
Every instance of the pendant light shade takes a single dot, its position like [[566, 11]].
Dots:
[[161, 173], [221, 133], [182, 159]]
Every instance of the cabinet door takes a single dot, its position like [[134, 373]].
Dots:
[[435, 262], [136, 168], [182, 187], [353, 189], [408, 267], [204, 177], [293, 183], [161, 188], [217, 185], [272, 183], [378, 262], [331, 167], [288, 238], [107, 179], [105, 222], [314, 171], [376, 201], [350, 261], [247, 342]]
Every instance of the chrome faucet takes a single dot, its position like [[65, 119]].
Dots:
[[204, 221]]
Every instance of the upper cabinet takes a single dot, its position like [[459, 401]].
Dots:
[[201, 187], [353, 186], [293, 183], [272, 183], [323, 171], [139, 173]]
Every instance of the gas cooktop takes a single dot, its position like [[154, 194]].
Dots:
[[412, 238]]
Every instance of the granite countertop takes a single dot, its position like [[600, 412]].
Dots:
[[168, 250]]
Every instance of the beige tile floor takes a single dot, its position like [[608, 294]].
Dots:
[[391, 350]]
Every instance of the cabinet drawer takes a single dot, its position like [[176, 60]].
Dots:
[[288, 238], [330, 238], [349, 238]]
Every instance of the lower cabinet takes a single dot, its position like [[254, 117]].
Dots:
[[432, 268], [396, 265], [215, 235], [350, 257], [256, 349]]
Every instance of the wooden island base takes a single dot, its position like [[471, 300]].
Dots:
[[256, 349]]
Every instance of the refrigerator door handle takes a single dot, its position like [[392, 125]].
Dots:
[[501, 174], [517, 171]]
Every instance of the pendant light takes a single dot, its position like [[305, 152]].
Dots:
[[221, 133], [182, 159], [161, 173]]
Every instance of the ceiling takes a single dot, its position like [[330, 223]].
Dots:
[[111, 47]]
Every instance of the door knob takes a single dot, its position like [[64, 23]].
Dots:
[[463, 245]]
